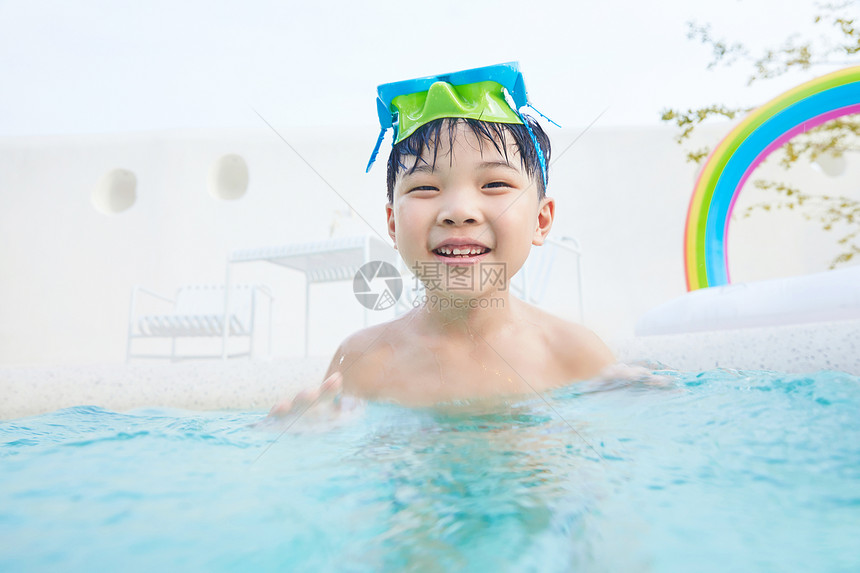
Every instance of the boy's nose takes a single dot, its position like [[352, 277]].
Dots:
[[451, 221], [459, 211]]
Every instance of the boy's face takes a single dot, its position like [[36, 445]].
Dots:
[[472, 215]]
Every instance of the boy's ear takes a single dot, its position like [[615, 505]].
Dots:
[[546, 213], [389, 219]]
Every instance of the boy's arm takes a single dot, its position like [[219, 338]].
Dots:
[[584, 354], [332, 386], [600, 355], [356, 363], [329, 389], [602, 364], [593, 360]]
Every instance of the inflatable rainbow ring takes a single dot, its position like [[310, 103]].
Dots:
[[723, 176]]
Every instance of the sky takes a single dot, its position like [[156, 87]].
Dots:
[[108, 66]]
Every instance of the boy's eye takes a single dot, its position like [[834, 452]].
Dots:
[[496, 185], [423, 188]]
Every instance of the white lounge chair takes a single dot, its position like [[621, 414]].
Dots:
[[198, 311]]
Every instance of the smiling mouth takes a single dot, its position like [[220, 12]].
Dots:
[[463, 252]]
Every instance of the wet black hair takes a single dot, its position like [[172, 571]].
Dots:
[[429, 136]]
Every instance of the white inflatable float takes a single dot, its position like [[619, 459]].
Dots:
[[820, 297]]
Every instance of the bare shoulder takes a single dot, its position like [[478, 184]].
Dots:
[[364, 356], [577, 350]]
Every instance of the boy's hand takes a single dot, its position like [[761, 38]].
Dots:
[[638, 374], [320, 405], [328, 391]]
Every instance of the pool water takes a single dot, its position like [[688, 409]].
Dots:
[[712, 471]]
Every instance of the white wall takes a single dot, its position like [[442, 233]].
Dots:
[[67, 270]]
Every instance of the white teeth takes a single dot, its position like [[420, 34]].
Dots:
[[465, 251]]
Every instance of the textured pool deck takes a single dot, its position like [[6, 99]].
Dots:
[[258, 385], [193, 385], [809, 347]]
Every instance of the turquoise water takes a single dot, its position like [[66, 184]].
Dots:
[[712, 471]]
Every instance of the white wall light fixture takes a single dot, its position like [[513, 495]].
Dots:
[[115, 192], [228, 177]]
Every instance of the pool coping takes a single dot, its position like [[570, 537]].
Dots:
[[258, 385]]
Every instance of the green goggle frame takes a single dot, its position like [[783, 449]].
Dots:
[[493, 94]]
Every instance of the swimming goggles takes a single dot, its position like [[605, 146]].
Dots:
[[492, 93]]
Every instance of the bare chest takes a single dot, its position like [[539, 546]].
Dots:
[[426, 374]]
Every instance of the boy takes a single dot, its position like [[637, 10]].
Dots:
[[466, 201]]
